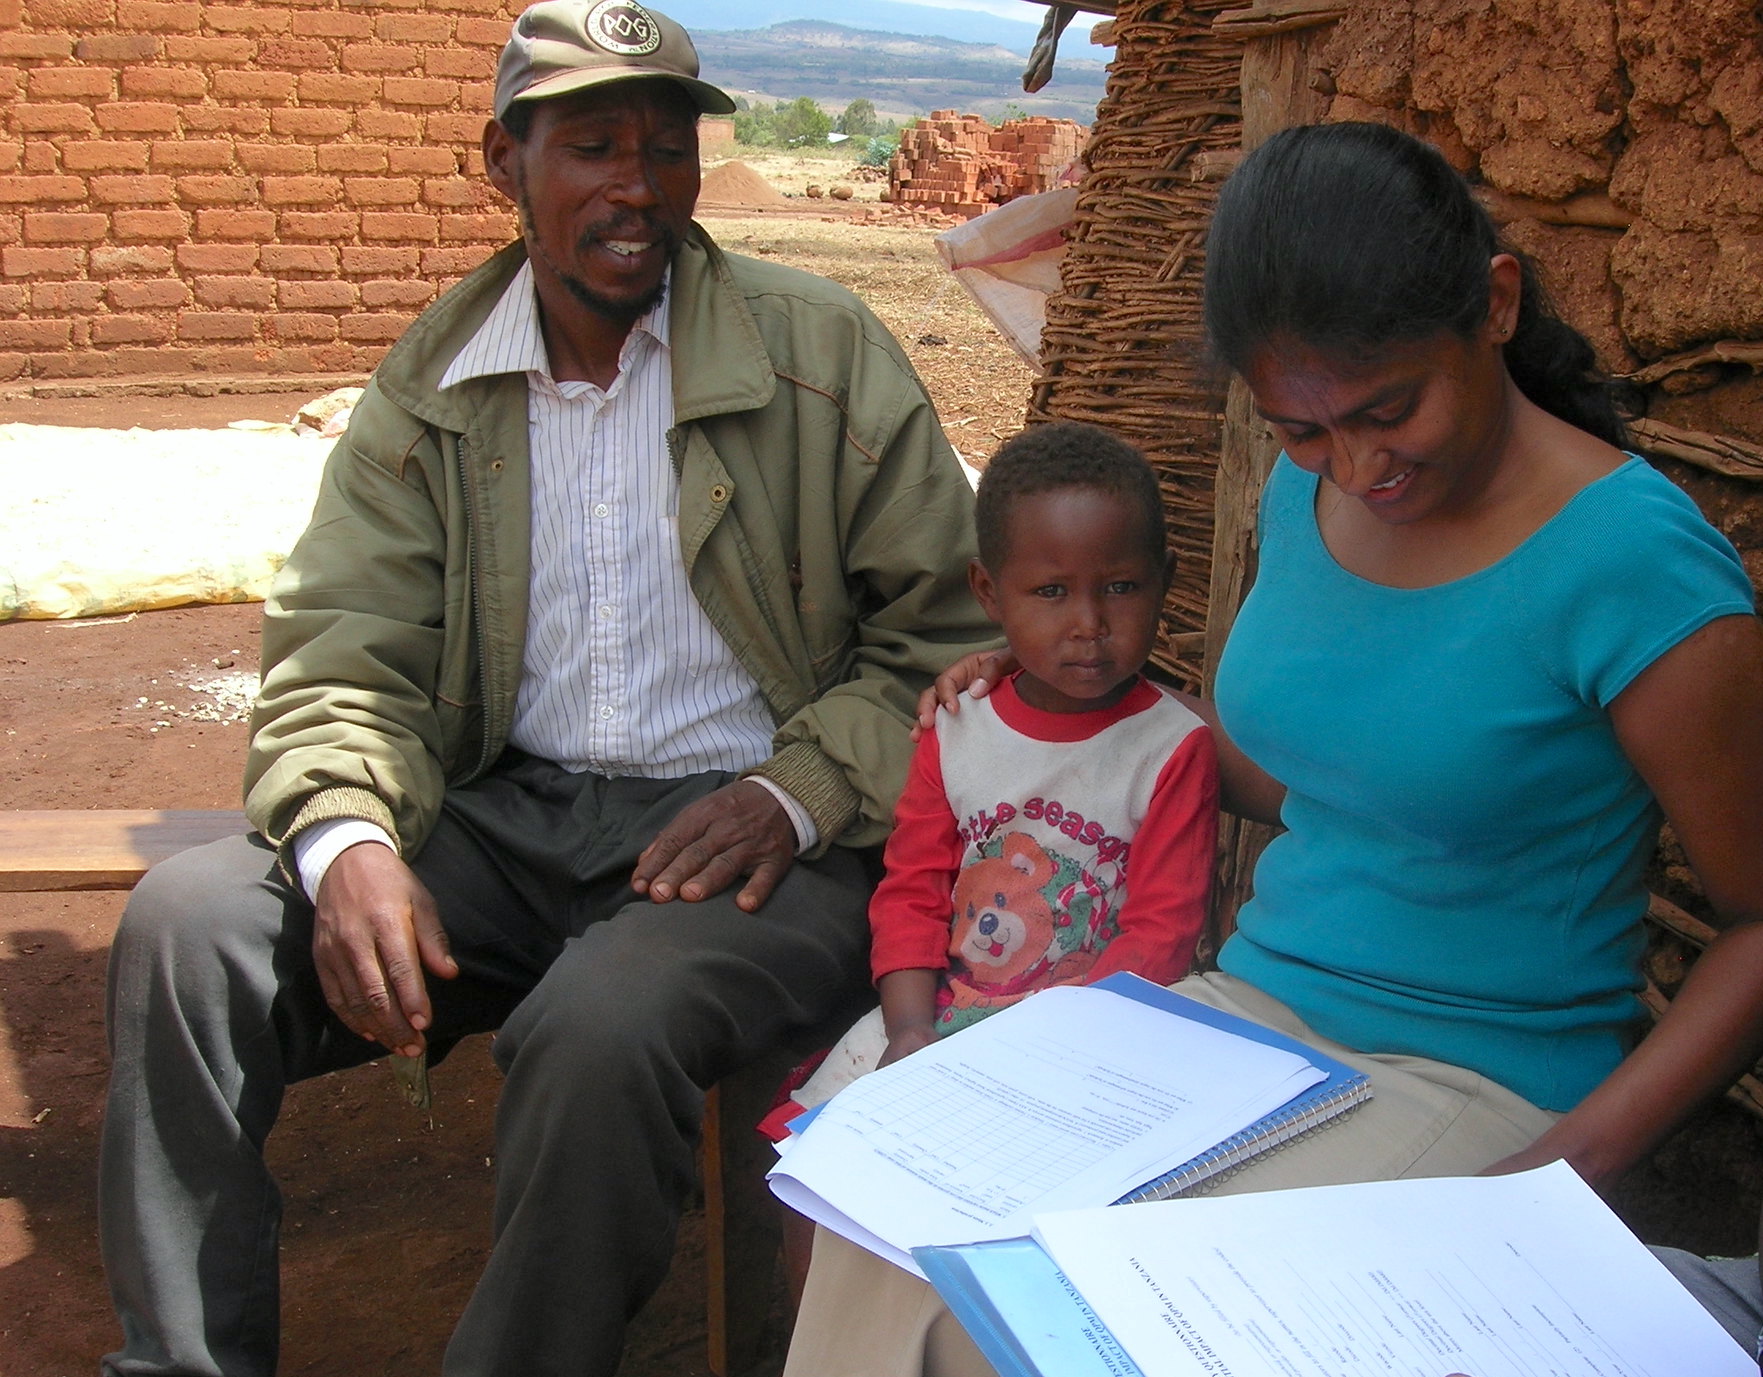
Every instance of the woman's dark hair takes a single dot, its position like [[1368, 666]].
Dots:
[[1056, 455], [1349, 237]]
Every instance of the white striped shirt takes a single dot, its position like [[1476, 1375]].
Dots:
[[623, 673]]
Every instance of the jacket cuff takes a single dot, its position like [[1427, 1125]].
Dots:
[[815, 781], [327, 805]]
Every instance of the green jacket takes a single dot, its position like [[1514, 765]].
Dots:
[[825, 525]]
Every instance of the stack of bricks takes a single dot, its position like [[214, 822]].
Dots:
[[1041, 149], [265, 188], [961, 162]]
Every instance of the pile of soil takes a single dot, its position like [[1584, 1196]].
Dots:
[[736, 184]]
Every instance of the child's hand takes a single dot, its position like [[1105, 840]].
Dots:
[[907, 1041], [976, 673]]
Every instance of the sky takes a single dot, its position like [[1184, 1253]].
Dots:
[[1012, 23], [1003, 9]]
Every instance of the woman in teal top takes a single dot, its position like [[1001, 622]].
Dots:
[[1460, 877], [1485, 651]]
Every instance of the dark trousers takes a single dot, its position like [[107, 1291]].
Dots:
[[616, 1014]]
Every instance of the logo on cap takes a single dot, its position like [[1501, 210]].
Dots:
[[625, 27]]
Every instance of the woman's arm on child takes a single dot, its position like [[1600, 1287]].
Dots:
[[1246, 789], [975, 673]]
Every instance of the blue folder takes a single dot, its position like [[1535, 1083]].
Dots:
[[1021, 1312]]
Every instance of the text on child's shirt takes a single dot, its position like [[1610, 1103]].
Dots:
[[1054, 814]]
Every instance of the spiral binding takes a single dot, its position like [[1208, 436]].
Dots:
[[1307, 1115]]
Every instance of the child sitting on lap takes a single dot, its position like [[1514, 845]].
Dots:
[[1007, 870]]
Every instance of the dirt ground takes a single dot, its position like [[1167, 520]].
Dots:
[[387, 1209]]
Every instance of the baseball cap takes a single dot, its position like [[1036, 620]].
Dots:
[[560, 46]]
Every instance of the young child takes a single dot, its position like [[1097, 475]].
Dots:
[[1026, 811]]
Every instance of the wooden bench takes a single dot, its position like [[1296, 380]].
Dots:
[[111, 848], [67, 849]]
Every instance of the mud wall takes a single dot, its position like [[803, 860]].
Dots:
[[1120, 345], [267, 188], [1621, 143]]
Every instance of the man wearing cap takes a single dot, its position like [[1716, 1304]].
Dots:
[[586, 696]]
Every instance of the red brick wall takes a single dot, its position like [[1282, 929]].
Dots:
[[274, 187]]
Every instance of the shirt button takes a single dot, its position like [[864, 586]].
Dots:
[[601, 509], [606, 610], [606, 713]]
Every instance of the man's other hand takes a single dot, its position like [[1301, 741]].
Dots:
[[740, 830], [376, 932]]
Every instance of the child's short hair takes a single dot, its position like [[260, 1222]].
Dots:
[[1064, 454]]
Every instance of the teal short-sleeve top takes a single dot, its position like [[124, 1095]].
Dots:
[[1460, 877]]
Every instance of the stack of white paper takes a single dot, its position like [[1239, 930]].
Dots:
[[1528, 1275]]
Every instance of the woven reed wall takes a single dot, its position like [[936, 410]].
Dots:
[[1122, 346]]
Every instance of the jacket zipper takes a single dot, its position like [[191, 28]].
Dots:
[[477, 605]]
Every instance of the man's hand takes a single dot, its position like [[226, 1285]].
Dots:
[[376, 932], [741, 829]]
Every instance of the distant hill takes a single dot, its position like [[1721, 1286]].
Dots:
[[904, 75], [975, 25]]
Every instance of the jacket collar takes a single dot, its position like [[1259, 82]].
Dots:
[[719, 359], [510, 340]]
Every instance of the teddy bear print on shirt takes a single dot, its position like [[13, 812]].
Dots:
[[1024, 919]]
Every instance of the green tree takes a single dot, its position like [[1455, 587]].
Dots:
[[1011, 111], [859, 119], [801, 124], [754, 126]]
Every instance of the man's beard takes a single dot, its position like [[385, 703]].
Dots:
[[619, 312]]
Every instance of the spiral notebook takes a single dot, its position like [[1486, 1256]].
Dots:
[[1075, 1097], [1316, 1107]]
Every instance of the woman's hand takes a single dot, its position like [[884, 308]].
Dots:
[[976, 673], [1536, 1155]]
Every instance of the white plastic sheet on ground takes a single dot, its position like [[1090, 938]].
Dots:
[[99, 522], [1008, 260]]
